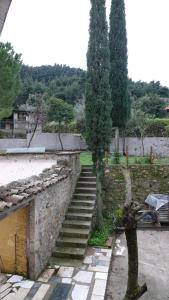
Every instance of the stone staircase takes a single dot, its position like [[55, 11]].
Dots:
[[73, 237]]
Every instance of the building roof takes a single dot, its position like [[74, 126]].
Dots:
[[4, 7], [19, 193], [166, 108]]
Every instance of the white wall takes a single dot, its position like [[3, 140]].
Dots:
[[160, 146]]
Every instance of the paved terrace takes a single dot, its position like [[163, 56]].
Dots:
[[87, 282], [153, 266]]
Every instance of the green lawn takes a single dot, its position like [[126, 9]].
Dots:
[[86, 159]]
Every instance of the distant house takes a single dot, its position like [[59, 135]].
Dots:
[[166, 109], [24, 119]]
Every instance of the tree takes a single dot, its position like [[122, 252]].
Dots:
[[10, 64], [36, 105], [118, 66], [152, 105], [59, 111], [98, 102], [138, 125]]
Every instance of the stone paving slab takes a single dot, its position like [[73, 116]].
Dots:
[[85, 282]]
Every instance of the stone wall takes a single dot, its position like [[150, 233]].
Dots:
[[145, 179], [46, 197], [47, 212]]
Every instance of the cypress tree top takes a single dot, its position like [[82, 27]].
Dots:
[[118, 64], [98, 101]]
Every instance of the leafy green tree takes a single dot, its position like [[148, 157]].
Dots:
[[59, 111], [152, 105], [10, 64], [120, 115], [118, 66], [98, 102]]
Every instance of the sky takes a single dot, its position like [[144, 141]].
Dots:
[[56, 31]]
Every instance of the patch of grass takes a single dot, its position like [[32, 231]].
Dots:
[[99, 238], [86, 158]]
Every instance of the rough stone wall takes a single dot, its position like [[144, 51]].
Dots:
[[47, 212], [145, 179]]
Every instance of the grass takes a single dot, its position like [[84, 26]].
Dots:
[[99, 238], [86, 159]]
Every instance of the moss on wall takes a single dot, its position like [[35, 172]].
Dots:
[[145, 179]]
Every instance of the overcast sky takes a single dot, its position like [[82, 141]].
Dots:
[[56, 31]]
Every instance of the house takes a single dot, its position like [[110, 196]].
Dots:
[[32, 211], [24, 119], [166, 109]]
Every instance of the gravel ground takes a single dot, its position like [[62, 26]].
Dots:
[[153, 266]]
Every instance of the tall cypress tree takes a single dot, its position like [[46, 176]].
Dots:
[[98, 101], [118, 64]]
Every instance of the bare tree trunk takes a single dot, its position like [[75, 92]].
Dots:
[[33, 133], [116, 140], [142, 143], [124, 142], [60, 140], [134, 291]]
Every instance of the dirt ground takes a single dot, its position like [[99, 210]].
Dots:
[[153, 266]]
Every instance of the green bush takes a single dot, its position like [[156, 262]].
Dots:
[[155, 128], [53, 127], [99, 238], [116, 158]]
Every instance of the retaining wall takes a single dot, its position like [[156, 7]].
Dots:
[[145, 179]]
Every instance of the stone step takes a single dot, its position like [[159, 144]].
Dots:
[[82, 202], [85, 190], [78, 216], [87, 168], [84, 196], [86, 184], [77, 224], [69, 252], [87, 179], [75, 232], [72, 242], [87, 174], [81, 209], [67, 262]]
